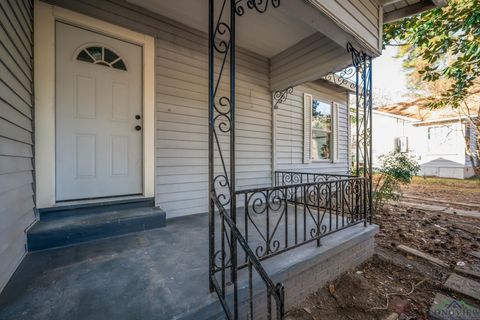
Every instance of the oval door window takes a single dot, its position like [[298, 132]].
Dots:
[[102, 56]]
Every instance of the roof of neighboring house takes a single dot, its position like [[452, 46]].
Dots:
[[418, 110], [397, 9]]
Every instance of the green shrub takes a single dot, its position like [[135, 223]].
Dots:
[[396, 169]]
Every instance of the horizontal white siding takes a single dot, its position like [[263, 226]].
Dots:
[[289, 131], [308, 60], [182, 123], [361, 18], [16, 141], [182, 112]]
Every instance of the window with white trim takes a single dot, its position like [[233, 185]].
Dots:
[[320, 129], [321, 143]]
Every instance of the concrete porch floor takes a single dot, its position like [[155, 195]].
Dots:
[[157, 274]]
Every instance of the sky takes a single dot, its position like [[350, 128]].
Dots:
[[389, 79]]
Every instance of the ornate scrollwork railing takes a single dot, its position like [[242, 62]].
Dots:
[[280, 218], [362, 63], [283, 178], [224, 237], [328, 206], [260, 6], [275, 291]]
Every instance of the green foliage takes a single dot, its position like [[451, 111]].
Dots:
[[397, 168], [447, 40]]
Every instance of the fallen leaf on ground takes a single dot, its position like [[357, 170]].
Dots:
[[331, 288]]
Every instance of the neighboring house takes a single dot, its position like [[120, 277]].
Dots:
[[435, 137], [112, 118]]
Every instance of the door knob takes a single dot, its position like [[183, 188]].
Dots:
[[138, 128], [138, 117]]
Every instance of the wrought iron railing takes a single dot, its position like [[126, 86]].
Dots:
[[224, 276], [330, 205], [283, 217], [224, 236], [294, 177]]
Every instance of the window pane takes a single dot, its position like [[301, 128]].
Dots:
[[320, 145], [109, 56], [321, 115], [96, 52], [84, 56], [119, 65]]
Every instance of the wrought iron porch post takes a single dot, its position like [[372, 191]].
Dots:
[[221, 119], [233, 196], [365, 132], [362, 63], [367, 111], [221, 180], [211, 123], [370, 181]]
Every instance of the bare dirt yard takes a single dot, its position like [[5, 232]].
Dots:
[[439, 217], [453, 190]]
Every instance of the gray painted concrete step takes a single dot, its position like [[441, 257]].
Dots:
[[447, 308], [65, 210], [68, 229]]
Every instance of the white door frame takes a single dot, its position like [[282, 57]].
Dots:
[[44, 79]]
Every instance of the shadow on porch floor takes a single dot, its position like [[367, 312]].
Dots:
[[157, 274]]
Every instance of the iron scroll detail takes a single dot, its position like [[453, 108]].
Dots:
[[260, 6], [345, 78], [281, 96], [357, 57], [226, 241], [362, 64]]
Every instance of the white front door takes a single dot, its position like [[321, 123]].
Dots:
[[98, 115]]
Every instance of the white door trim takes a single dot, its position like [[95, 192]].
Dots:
[[44, 70]]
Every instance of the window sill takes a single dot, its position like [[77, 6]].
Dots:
[[322, 161]]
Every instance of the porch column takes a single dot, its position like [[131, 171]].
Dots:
[[221, 170], [363, 112]]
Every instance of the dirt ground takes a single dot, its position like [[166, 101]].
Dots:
[[455, 190], [362, 294], [393, 281]]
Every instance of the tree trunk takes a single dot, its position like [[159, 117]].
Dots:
[[474, 155]]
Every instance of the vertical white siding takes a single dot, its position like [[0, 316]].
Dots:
[[289, 131], [16, 133]]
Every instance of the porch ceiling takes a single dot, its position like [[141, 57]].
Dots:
[[266, 34]]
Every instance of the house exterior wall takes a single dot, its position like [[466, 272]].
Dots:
[[16, 132], [182, 108], [181, 104], [446, 161], [443, 156], [362, 18], [307, 59], [289, 131], [182, 122], [385, 129]]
